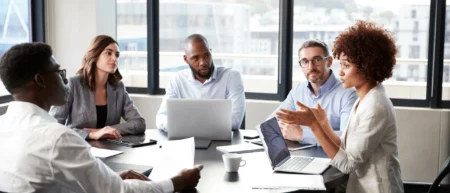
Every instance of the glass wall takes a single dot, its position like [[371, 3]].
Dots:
[[446, 72], [243, 34], [132, 38], [408, 20], [14, 27]]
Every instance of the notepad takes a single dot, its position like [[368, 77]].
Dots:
[[240, 148], [175, 156], [290, 181], [104, 153]]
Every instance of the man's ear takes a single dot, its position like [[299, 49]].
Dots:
[[39, 81], [185, 59], [330, 61]]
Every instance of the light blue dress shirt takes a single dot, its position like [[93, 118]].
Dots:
[[224, 83], [332, 97]]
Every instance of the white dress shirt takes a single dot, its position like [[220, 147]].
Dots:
[[368, 150], [41, 155], [224, 83]]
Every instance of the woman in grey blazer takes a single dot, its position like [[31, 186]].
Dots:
[[97, 97], [367, 150]]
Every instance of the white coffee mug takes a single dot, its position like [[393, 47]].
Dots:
[[233, 161]]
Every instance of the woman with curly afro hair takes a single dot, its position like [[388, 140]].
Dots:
[[367, 150]]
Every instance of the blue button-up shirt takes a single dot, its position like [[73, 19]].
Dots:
[[224, 83], [331, 96]]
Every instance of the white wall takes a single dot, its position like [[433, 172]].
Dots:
[[71, 25]]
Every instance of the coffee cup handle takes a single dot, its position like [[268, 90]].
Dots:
[[243, 161]]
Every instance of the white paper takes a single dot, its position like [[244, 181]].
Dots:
[[104, 153], [248, 132], [175, 156], [240, 148], [290, 181]]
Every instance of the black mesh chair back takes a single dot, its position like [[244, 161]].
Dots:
[[444, 171]]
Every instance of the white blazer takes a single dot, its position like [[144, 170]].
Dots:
[[368, 150]]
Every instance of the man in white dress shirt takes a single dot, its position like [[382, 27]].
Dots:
[[203, 80], [41, 155]]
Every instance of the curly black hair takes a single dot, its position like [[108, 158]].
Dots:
[[21, 62], [370, 47]]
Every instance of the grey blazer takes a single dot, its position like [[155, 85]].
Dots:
[[80, 111]]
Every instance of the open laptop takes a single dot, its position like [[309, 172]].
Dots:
[[279, 156], [208, 119]]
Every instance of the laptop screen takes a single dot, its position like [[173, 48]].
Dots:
[[275, 145]]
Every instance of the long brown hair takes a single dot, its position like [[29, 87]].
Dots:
[[89, 67]]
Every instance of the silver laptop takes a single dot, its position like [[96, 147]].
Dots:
[[208, 119], [279, 154]]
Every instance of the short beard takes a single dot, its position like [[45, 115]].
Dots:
[[318, 80], [206, 76]]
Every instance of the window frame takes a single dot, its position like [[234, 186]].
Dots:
[[37, 19], [435, 68]]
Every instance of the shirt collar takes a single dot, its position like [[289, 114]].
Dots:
[[19, 107], [214, 74], [191, 76], [325, 87]]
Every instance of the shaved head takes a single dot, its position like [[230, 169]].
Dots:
[[198, 56], [194, 38]]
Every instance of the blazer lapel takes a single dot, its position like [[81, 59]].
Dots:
[[112, 104], [91, 108], [349, 124]]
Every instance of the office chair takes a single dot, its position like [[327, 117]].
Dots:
[[444, 171]]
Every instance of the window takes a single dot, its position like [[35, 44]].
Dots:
[[400, 18], [413, 73], [132, 39], [415, 31], [414, 52], [15, 27], [416, 26], [446, 70], [242, 35]]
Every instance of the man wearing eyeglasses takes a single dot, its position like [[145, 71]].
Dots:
[[321, 88], [41, 155]]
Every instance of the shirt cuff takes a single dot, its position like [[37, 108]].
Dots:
[[308, 136], [161, 124], [338, 159], [166, 185]]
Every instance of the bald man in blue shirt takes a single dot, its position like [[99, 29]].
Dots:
[[322, 87], [204, 80]]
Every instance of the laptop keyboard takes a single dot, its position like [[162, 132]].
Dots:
[[296, 163]]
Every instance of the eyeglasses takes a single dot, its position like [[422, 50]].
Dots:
[[62, 73], [316, 61]]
